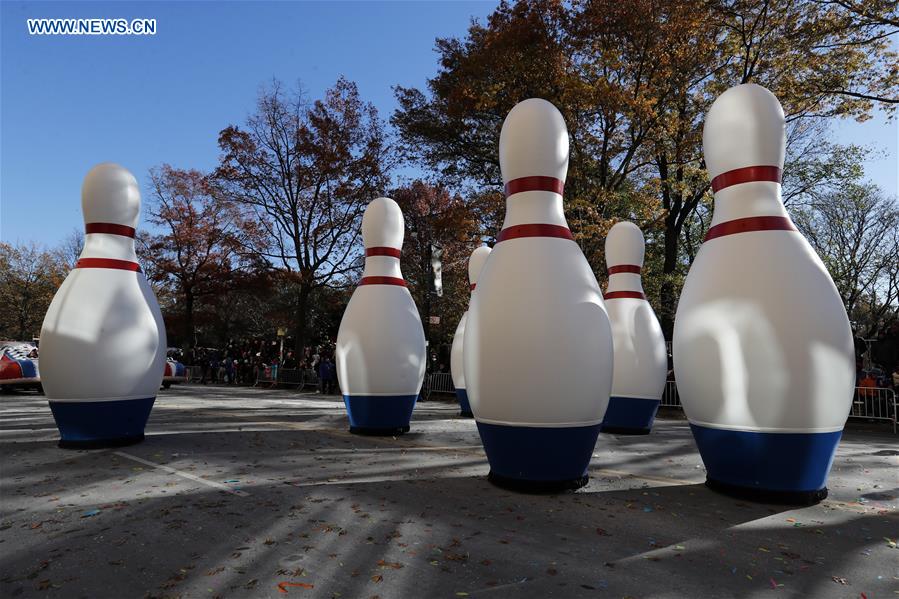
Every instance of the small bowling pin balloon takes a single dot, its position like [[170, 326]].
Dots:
[[475, 264], [103, 340], [381, 344], [762, 345], [641, 361], [538, 344]]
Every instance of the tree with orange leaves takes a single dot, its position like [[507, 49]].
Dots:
[[435, 217], [304, 172], [197, 253], [633, 81]]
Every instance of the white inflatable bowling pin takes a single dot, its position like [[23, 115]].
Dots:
[[457, 368], [763, 349], [103, 340], [381, 344], [641, 361], [538, 344]]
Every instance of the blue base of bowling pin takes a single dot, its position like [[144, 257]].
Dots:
[[630, 415], [379, 414], [92, 424], [773, 467], [538, 459], [462, 396]]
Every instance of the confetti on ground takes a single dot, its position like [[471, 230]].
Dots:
[[365, 525], [282, 586], [90, 513]]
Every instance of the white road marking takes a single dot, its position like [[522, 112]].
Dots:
[[209, 483]]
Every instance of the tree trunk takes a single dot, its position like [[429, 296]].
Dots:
[[429, 278], [301, 319], [668, 293], [189, 333]]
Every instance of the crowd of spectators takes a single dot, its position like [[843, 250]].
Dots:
[[242, 361], [877, 377]]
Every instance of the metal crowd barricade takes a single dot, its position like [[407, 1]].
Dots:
[[196, 373], [868, 403], [266, 375], [438, 382], [874, 403], [670, 398], [310, 379], [290, 376]]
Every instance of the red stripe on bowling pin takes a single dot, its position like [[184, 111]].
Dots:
[[631, 268], [382, 281], [110, 228], [523, 184], [749, 225], [108, 263], [748, 174], [623, 294], [534, 230], [383, 251]]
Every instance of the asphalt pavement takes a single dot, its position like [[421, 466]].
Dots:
[[241, 492]]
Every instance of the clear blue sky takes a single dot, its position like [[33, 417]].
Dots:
[[69, 102]]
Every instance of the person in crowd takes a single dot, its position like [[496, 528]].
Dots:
[[316, 358], [895, 376], [220, 370], [275, 366], [321, 372], [866, 383], [206, 364], [229, 370], [247, 368], [329, 375]]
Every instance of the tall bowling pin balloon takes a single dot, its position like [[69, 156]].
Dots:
[[641, 361], [538, 344], [763, 349], [381, 344], [103, 340], [475, 264]]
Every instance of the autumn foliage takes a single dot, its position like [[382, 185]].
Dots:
[[270, 238]]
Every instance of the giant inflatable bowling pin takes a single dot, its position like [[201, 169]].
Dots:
[[641, 361], [763, 349], [538, 344], [475, 264], [103, 340], [381, 344]]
